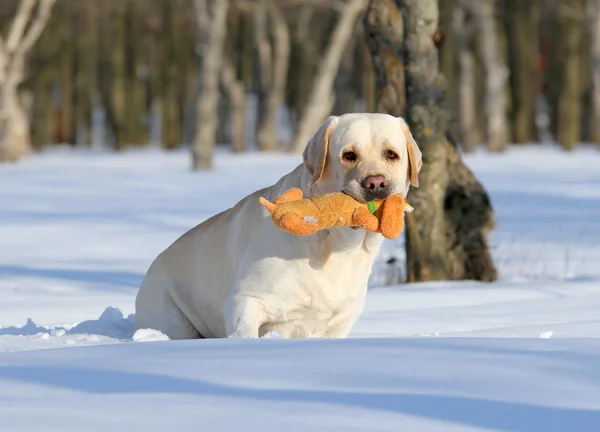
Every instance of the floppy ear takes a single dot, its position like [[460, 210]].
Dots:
[[415, 158], [315, 153]]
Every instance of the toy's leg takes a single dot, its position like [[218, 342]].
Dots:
[[298, 225], [364, 219], [392, 217], [293, 194]]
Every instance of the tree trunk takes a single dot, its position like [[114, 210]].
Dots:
[[43, 106], [446, 234], [320, 100], [15, 139], [236, 93], [448, 59], [212, 17], [81, 103], [133, 129], [118, 87], [496, 75], [171, 106], [67, 120], [264, 56], [468, 132], [522, 25], [233, 76], [368, 80], [571, 24], [343, 86], [274, 62], [189, 74], [593, 13], [303, 59], [93, 91]]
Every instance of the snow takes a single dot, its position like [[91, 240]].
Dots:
[[343, 385], [78, 229]]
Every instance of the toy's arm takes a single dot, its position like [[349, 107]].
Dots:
[[392, 216], [293, 194]]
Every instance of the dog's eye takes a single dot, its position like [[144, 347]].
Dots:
[[391, 155], [350, 156]]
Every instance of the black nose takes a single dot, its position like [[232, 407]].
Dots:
[[375, 183]]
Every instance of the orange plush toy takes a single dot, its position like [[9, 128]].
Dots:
[[303, 217]]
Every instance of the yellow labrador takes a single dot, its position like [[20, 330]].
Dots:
[[237, 275]]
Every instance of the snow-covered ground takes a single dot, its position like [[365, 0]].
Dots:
[[79, 229]]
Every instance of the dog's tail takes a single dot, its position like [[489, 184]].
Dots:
[[268, 205]]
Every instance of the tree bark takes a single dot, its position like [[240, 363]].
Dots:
[[523, 34], [496, 75], [593, 13], [15, 139], [446, 234], [320, 100], [211, 17]]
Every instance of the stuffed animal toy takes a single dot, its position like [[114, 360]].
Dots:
[[299, 216]]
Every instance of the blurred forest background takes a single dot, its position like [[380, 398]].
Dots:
[[121, 73]]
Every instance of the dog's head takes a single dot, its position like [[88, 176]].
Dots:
[[368, 156]]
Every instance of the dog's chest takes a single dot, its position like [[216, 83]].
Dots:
[[318, 299]]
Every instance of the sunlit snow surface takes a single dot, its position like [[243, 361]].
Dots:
[[79, 229]]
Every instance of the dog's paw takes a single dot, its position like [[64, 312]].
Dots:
[[272, 335], [149, 335]]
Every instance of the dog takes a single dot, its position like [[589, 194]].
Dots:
[[236, 275]]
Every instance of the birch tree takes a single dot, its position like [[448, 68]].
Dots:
[[496, 74], [274, 59], [467, 98], [212, 19], [26, 27], [236, 92]]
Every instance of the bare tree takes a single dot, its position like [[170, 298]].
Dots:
[[26, 27], [274, 62], [523, 36], [569, 63], [236, 93], [467, 99], [496, 74], [593, 13], [212, 17], [320, 100], [446, 234]]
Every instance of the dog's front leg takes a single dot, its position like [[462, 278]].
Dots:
[[244, 316], [340, 325]]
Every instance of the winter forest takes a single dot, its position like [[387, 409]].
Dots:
[[127, 73], [126, 123]]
